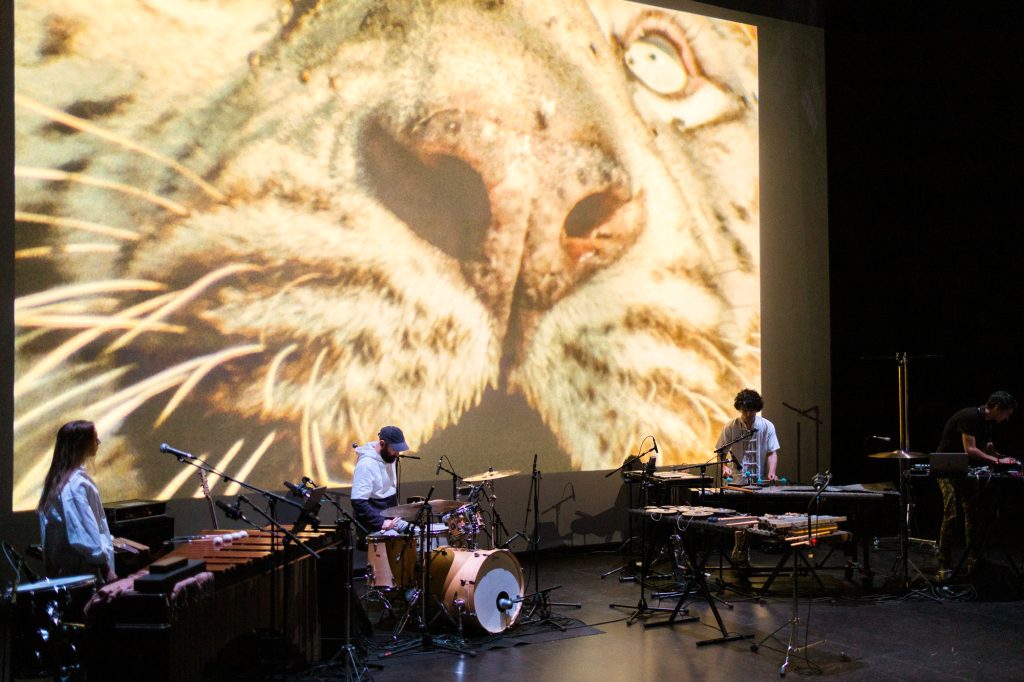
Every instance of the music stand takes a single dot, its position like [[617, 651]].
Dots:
[[310, 510]]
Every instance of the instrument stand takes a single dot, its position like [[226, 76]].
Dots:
[[641, 608], [355, 667], [630, 566], [695, 560], [794, 627], [540, 602], [427, 641], [814, 414]]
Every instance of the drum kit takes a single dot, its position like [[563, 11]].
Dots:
[[444, 568], [49, 630]]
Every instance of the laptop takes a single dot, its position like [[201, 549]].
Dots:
[[947, 464]]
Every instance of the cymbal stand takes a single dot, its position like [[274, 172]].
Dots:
[[641, 608], [906, 508], [497, 525], [814, 414], [539, 604], [427, 641]]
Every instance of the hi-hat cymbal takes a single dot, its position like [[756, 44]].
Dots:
[[899, 454], [489, 476], [408, 512]]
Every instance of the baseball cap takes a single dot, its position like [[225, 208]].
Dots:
[[395, 438]]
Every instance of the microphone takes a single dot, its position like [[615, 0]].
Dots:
[[164, 447], [884, 439], [504, 604], [297, 490], [438, 470], [655, 441], [821, 481], [230, 510]]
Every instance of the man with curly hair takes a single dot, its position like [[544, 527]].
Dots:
[[756, 450]]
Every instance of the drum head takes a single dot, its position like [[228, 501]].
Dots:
[[67, 582]]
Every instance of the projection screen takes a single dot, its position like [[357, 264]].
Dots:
[[259, 232]]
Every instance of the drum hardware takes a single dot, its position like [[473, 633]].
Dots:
[[641, 609], [47, 625], [814, 414], [490, 475], [538, 604], [427, 640]]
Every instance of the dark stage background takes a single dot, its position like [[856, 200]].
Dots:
[[925, 237]]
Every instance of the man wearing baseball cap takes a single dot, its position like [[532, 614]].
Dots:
[[374, 481]]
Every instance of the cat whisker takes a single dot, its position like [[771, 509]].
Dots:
[[87, 322], [180, 299], [318, 452], [250, 463], [83, 290], [186, 472], [271, 380], [117, 406], [79, 389], [54, 175], [61, 353], [87, 127], [307, 409], [63, 250], [76, 224], [200, 372]]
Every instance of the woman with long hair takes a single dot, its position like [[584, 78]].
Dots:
[[76, 537]]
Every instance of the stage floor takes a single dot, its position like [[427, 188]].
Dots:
[[858, 631]]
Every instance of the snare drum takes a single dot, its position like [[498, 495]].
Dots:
[[48, 625], [470, 585], [391, 558], [463, 526]]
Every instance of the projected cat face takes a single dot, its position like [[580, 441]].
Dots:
[[383, 209]]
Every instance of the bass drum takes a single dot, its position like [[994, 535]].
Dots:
[[48, 628], [473, 584]]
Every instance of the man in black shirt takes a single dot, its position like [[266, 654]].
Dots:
[[969, 431]]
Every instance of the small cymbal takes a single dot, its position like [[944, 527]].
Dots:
[[408, 512], [489, 476], [899, 454]]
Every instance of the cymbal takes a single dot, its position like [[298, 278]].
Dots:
[[899, 454], [408, 512], [489, 476]]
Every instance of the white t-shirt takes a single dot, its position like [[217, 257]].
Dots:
[[751, 451]]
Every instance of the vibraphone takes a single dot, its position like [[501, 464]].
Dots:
[[251, 584], [870, 512]]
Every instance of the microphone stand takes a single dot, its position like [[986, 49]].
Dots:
[[398, 474], [725, 448], [641, 608], [451, 472], [812, 413], [630, 564], [540, 602]]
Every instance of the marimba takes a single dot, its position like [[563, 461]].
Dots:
[[250, 584]]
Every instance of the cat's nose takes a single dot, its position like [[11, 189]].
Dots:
[[528, 216]]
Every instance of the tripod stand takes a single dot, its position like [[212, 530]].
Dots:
[[539, 604], [641, 609], [354, 666]]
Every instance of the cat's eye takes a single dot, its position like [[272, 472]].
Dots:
[[657, 53], [656, 63]]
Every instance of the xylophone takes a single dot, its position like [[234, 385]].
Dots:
[[251, 582], [871, 510]]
